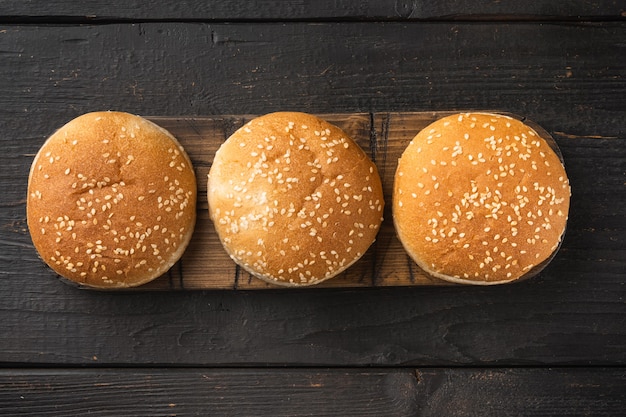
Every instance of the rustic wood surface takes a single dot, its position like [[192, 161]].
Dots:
[[321, 392], [342, 10], [552, 345]]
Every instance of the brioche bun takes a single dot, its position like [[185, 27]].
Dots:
[[480, 199], [111, 200], [294, 200]]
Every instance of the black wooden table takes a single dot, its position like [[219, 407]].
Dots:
[[553, 345]]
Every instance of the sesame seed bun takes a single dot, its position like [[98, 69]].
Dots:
[[111, 200], [294, 200], [480, 199]]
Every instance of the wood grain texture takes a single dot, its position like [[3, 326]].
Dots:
[[314, 10], [567, 319], [320, 392], [568, 77], [559, 63]]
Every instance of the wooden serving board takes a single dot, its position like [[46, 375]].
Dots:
[[384, 136]]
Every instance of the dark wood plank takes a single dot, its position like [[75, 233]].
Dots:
[[569, 78], [320, 392], [320, 9], [576, 318]]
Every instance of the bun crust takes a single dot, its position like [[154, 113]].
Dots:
[[294, 200], [480, 199], [111, 200]]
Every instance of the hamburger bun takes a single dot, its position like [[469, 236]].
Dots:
[[294, 200], [480, 198], [111, 200]]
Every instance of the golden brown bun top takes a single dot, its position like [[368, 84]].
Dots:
[[111, 200], [294, 200], [480, 198]]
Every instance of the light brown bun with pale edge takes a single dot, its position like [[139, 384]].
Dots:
[[111, 200], [480, 199], [294, 200]]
